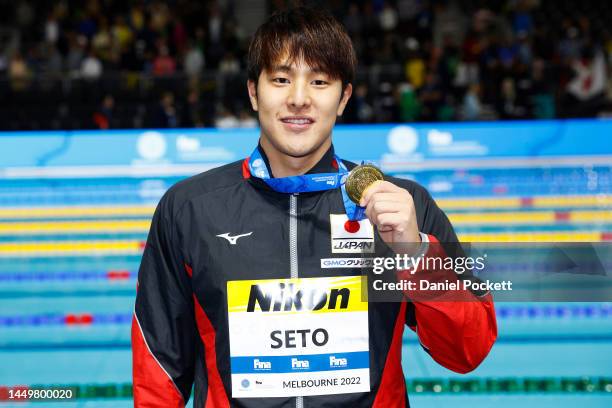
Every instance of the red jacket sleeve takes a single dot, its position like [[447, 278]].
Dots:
[[457, 328], [163, 325]]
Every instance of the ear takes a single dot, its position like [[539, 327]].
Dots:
[[252, 87], [346, 94]]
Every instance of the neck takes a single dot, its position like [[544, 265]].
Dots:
[[284, 165]]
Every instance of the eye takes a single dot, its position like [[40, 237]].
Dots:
[[280, 80], [320, 82]]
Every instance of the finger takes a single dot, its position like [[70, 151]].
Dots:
[[389, 221], [385, 228], [387, 202], [371, 189], [370, 212], [379, 186], [375, 208], [397, 197]]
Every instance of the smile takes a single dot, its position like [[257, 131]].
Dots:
[[297, 124], [298, 120]]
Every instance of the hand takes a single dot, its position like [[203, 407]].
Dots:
[[391, 209]]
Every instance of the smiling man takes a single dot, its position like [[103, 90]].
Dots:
[[242, 289], [299, 88]]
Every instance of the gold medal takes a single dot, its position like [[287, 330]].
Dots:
[[359, 179]]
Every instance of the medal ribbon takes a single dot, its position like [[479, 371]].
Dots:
[[308, 183]]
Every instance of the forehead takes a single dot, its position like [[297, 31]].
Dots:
[[288, 63]]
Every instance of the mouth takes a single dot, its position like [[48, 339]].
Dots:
[[297, 123]]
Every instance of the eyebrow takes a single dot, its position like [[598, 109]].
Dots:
[[280, 68], [288, 69]]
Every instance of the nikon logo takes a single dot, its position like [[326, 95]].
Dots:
[[288, 297]]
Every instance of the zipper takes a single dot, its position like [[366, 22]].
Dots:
[[293, 256]]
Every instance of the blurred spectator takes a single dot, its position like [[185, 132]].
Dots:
[[388, 17], [194, 112], [353, 21], [179, 36], [415, 65], [359, 109], [91, 66], [133, 59], [431, 97], [76, 52], [87, 26], [522, 21], [215, 29], [449, 23], [570, 44], [472, 107], [409, 103], [102, 118], [542, 88], [159, 14], [448, 64], [525, 49], [164, 64], [54, 63], [508, 104], [229, 64], [585, 92], [24, 14], [137, 17], [194, 61], [408, 10], [51, 29], [122, 34], [226, 119], [246, 120], [166, 115], [18, 72], [418, 59]]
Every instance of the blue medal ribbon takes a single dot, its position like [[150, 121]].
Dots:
[[307, 183]]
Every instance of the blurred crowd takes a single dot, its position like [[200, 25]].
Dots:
[[112, 63]]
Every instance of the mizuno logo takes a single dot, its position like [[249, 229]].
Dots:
[[232, 240]]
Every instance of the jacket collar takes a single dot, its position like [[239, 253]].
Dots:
[[327, 164]]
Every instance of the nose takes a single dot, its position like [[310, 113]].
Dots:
[[299, 96]]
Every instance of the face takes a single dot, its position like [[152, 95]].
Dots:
[[297, 108]]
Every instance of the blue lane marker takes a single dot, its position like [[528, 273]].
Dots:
[[582, 312]]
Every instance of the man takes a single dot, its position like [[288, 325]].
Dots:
[[234, 293]]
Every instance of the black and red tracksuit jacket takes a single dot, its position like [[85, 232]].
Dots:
[[180, 336]]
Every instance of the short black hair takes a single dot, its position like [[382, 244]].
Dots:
[[303, 32]]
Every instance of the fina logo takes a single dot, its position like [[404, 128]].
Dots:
[[403, 140], [151, 145], [438, 138], [337, 362], [186, 144], [300, 364], [261, 365]]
